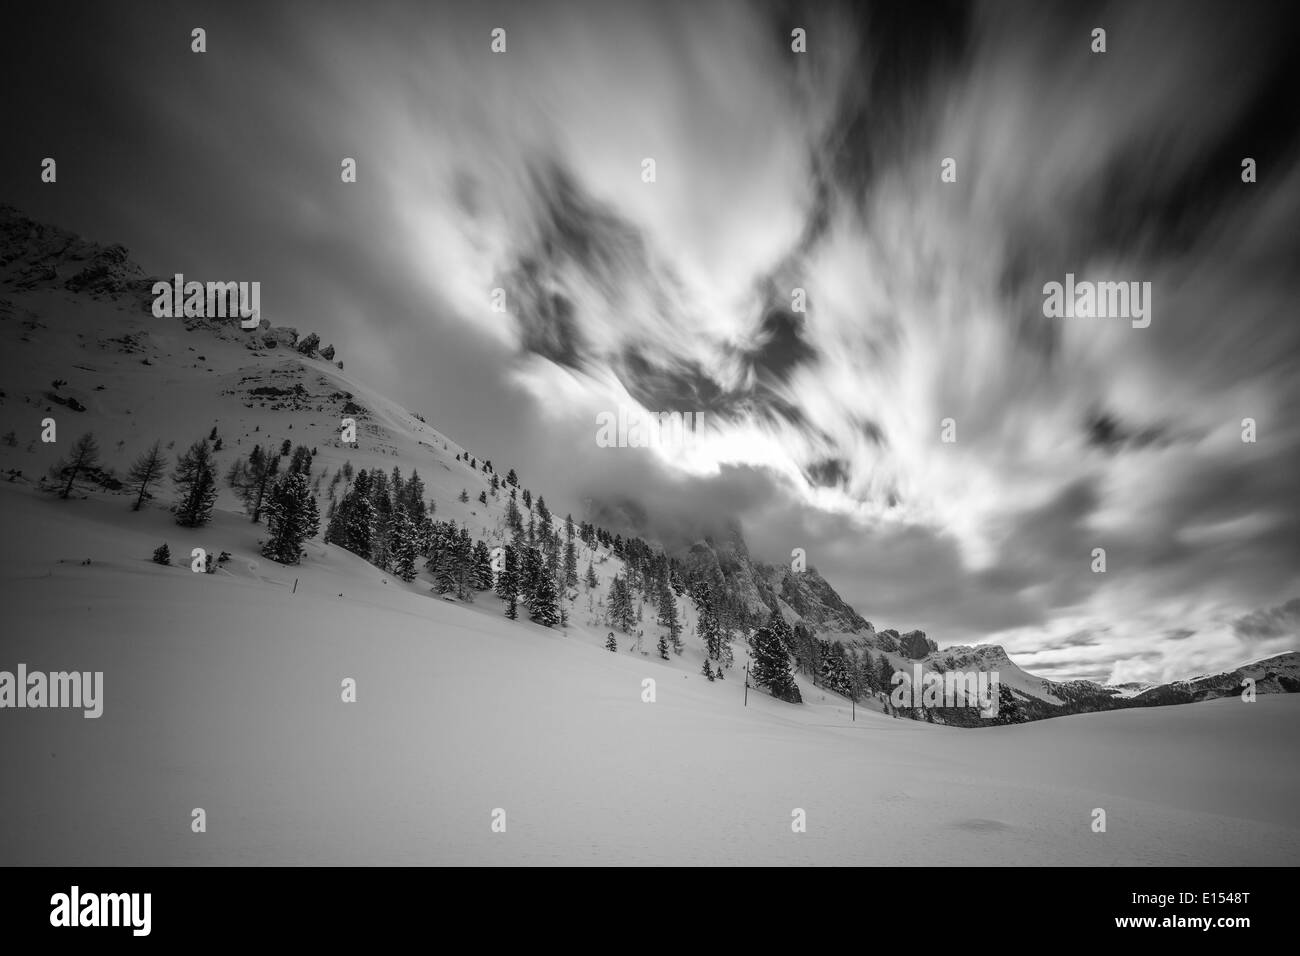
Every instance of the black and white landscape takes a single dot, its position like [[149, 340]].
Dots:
[[601, 424]]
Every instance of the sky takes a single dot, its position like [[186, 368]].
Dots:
[[774, 171]]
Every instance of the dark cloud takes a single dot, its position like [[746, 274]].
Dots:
[[1106, 431], [828, 472], [1271, 622], [781, 346], [905, 50], [683, 386], [1049, 546]]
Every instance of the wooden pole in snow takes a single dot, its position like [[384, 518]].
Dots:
[[746, 683]]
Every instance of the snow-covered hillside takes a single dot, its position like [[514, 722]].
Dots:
[[82, 347], [223, 692]]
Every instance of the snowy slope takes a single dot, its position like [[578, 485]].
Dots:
[[223, 692], [135, 378]]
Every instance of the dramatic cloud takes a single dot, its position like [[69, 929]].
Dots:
[[797, 271], [1281, 621]]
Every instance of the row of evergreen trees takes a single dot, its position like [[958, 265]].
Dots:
[[285, 498], [384, 519]]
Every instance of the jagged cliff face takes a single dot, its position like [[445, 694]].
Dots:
[[802, 596], [726, 563], [812, 598], [35, 256]]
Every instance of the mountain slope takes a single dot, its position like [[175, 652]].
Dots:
[[82, 347], [223, 692]]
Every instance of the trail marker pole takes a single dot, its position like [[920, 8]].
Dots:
[[295, 586], [746, 684]]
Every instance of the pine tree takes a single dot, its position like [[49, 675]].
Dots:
[[708, 671], [885, 675], [514, 520], [772, 666], [403, 544], [508, 581], [834, 668], [591, 577], [463, 497], [511, 478], [162, 554], [146, 470], [544, 530], [381, 554], [570, 554], [196, 484], [528, 499], [506, 578], [542, 602], [441, 562], [776, 623], [451, 559], [464, 565], [251, 479], [353, 526], [668, 614], [413, 496], [482, 497], [482, 576], [707, 623], [291, 518], [531, 569], [83, 457], [300, 463], [610, 643], [663, 646], [621, 613], [334, 523]]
